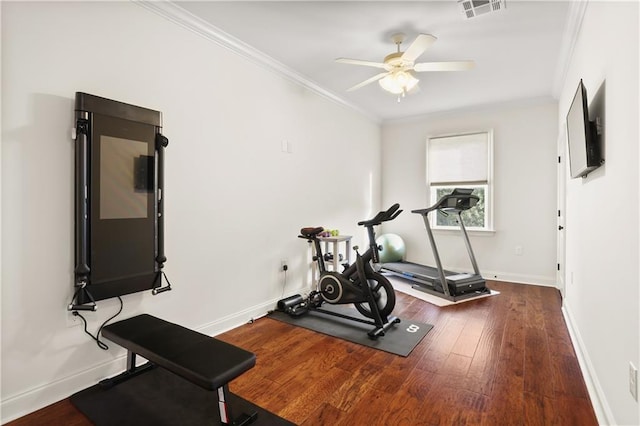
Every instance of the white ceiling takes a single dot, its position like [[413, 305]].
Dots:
[[519, 52]]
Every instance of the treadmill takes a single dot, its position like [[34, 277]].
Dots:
[[450, 285]]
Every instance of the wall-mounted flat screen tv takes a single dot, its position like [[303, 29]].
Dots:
[[584, 145]]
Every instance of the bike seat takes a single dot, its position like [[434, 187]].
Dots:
[[311, 231]]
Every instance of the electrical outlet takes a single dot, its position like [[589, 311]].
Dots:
[[284, 265], [633, 381], [72, 320], [286, 146]]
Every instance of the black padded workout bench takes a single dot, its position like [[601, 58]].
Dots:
[[205, 361]]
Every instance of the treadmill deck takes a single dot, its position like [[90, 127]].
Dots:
[[428, 278]]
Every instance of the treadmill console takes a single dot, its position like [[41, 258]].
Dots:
[[459, 200]]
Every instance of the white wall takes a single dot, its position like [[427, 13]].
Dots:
[[602, 297], [234, 202], [525, 137]]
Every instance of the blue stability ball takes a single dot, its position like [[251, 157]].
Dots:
[[393, 249]]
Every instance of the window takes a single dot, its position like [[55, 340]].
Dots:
[[461, 161]]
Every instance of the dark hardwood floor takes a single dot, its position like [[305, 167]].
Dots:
[[502, 360]]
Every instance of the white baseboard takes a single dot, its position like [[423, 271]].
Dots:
[[520, 278], [543, 280], [39, 397], [598, 398], [237, 319]]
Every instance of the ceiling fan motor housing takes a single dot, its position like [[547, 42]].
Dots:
[[395, 60]]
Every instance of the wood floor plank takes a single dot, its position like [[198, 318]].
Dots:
[[325, 414], [501, 360], [403, 410], [506, 398], [394, 373], [569, 380], [60, 413], [539, 410], [304, 398], [573, 411], [419, 383], [469, 337], [443, 338], [539, 377], [504, 407], [372, 407], [485, 364], [558, 334], [535, 313], [349, 393], [451, 406]]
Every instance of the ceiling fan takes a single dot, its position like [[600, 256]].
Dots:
[[400, 67]]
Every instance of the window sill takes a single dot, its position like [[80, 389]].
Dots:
[[474, 232]]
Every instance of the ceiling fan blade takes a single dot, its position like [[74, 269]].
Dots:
[[444, 66], [359, 62], [368, 81], [419, 45]]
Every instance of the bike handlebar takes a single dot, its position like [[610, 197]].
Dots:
[[383, 216]]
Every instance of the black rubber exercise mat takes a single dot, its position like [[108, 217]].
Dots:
[[400, 339], [160, 398]]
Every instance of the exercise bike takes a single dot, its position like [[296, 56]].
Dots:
[[359, 284]]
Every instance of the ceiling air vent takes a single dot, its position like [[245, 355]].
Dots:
[[472, 8]]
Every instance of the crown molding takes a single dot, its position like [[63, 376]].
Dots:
[[575, 16], [176, 14], [475, 109]]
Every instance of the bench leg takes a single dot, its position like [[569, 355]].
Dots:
[[131, 361], [131, 371], [226, 417]]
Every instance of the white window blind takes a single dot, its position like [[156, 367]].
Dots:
[[458, 159]]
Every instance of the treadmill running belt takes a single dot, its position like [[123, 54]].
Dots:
[[414, 269]]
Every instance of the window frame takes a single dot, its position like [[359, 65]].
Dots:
[[432, 188]]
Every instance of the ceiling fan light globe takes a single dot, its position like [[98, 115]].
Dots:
[[411, 83], [398, 83], [390, 85]]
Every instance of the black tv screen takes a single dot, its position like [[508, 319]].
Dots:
[[584, 150]]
